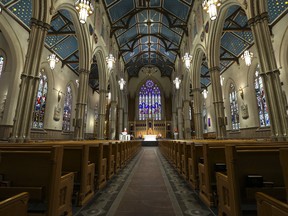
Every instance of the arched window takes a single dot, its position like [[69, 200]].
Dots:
[[1, 65], [234, 108], [40, 104], [67, 109], [261, 100], [150, 101]]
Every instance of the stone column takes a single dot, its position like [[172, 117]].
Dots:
[[120, 121], [81, 104], [126, 120], [270, 76], [218, 103], [102, 113], [187, 121], [180, 122], [112, 123], [29, 82], [198, 121]]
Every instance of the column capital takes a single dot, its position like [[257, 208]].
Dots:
[[39, 23], [258, 18], [186, 101], [195, 90], [102, 91], [82, 70], [214, 69], [114, 102]]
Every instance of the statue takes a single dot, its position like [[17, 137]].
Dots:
[[150, 131], [57, 113], [244, 111]]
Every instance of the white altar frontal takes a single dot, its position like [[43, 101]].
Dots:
[[150, 137], [125, 137]]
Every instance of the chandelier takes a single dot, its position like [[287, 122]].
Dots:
[[205, 93], [177, 82], [187, 59], [247, 57], [84, 8], [52, 59], [121, 83], [211, 7], [110, 59]]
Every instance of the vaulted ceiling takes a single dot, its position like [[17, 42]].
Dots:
[[148, 33]]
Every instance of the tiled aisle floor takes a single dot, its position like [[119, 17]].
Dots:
[[148, 186]]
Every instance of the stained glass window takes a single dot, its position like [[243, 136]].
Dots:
[[1, 65], [261, 100], [67, 109], [40, 103], [150, 101], [234, 108]]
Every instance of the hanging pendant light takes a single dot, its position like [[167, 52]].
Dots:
[[187, 60], [247, 57], [177, 82], [211, 7], [110, 59], [205, 93], [84, 8], [52, 59], [121, 83]]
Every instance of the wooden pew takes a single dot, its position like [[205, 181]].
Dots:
[[284, 164], [108, 154], [235, 197], [75, 160], [207, 181], [193, 154], [96, 156], [116, 152], [16, 205], [38, 172], [269, 206]]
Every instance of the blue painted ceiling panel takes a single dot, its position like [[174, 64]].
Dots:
[[23, 10]]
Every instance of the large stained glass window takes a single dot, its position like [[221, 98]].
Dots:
[[40, 104], [150, 101], [1, 65], [261, 100], [234, 108], [67, 109]]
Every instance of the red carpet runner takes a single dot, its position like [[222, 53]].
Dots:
[[147, 191]]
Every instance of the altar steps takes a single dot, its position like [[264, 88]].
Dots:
[[149, 143]]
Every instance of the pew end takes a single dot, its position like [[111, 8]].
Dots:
[[269, 206], [16, 205]]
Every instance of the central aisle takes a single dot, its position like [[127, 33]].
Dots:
[[147, 186], [147, 191]]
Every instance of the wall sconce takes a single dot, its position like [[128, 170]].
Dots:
[[241, 92]]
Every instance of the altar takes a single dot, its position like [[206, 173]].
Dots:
[[150, 137]]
